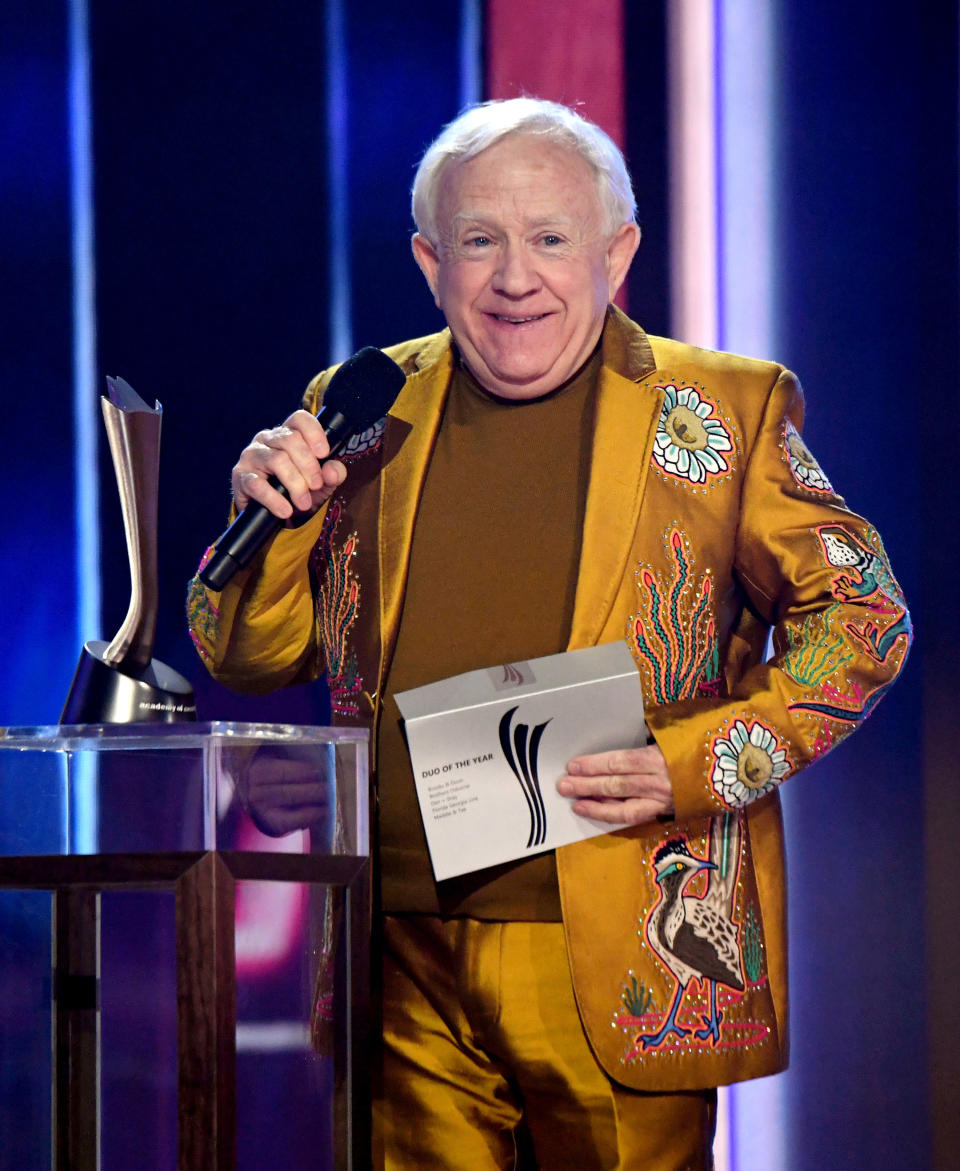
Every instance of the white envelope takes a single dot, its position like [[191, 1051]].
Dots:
[[488, 748]]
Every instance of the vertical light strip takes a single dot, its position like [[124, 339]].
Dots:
[[693, 211], [471, 61], [85, 401], [81, 810], [722, 157], [340, 291], [719, 119], [747, 299], [746, 158]]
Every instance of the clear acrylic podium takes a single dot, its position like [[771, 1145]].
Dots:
[[207, 946]]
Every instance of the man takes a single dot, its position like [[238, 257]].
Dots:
[[551, 478]]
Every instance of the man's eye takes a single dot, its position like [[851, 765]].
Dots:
[[478, 241], [552, 239]]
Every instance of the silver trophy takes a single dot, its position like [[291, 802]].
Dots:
[[120, 682]]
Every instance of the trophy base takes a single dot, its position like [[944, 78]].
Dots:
[[102, 693]]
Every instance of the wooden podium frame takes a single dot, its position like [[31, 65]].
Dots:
[[203, 883]]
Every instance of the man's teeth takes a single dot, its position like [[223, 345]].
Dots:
[[518, 320]]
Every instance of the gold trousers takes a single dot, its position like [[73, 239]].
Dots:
[[486, 1066]]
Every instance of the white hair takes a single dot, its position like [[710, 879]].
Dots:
[[479, 127]]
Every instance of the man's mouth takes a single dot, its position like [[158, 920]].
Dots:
[[518, 320]]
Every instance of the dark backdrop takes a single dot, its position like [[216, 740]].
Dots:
[[212, 294], [868, 278]]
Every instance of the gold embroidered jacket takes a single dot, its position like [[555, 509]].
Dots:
[[708, 522]]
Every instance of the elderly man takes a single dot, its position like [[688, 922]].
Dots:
[[552, 478]]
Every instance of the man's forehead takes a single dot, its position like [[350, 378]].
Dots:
[[525, 153], [528, 180], [531, 216]]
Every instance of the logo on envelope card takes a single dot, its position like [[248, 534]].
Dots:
[[511, 675], [521, 749]]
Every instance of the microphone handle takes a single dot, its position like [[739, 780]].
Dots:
[[254, 527]]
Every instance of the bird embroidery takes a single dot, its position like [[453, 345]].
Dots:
[[865, 577], [696, 937]]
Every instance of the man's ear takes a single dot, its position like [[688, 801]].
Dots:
[[620, 253], [427, 260]]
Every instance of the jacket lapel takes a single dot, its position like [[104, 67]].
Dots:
[[411, 431], [624, 429]]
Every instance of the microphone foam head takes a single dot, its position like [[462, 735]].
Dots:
[[365, 387]]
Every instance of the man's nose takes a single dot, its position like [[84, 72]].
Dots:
[[516, 275]]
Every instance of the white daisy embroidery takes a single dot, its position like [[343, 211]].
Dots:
[[366, 441], [806, 471], [749, 763], [690, 437]]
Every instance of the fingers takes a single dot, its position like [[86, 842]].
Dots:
[[634, 811], [291, 453], [283, 781], [278, 822], [291, 793], [619, 761], [283, 795], [625, 786]]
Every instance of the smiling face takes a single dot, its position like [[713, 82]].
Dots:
[[524, 266]]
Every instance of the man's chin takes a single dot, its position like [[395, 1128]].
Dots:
[[520, 386], [515, 378]]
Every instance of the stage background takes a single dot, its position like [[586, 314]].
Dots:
[[213, 190]]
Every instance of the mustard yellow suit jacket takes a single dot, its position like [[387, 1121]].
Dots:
[[708, 523]]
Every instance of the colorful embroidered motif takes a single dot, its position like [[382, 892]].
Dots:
[[806, 471], [817, 649], [824, 740], [748, 763], [338, 603], [865, 578], [202, 615], [673, 632], [752, 947], [367, 441], [847, 708], [695, 936], [690, 436], [637, 999]]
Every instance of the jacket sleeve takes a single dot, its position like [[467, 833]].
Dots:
[[260, 633], [818, 575]]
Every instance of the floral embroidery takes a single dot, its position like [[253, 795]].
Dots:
[[749, 763], [338, 603], [366, 441], [806, 471], [690, 436], [202, 615], [673, 632]]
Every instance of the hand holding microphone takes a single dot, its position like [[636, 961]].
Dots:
[[288, 463], [288, 469]]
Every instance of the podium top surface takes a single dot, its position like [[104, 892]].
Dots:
[[123, 737], [159, 788]]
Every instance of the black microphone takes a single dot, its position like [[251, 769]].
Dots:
[[360, 392]]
